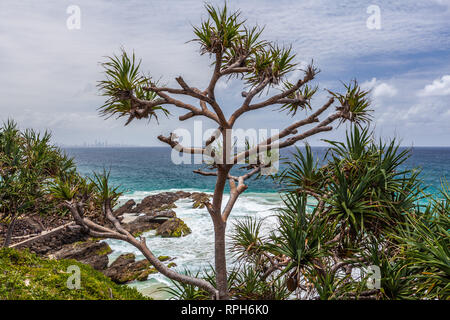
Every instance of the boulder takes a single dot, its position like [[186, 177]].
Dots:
[[160, 201], [127, 207], [173, 227], [125, 269], [160, 216], [148, 222], [156, 201], [93, 253]]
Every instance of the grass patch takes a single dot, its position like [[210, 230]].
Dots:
[[25, 276]]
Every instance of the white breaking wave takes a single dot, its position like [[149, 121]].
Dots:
[[195, 251]]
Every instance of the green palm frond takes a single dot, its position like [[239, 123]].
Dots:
[[183, 291], [302, 172], [219, 31], [355, 104], [246, 238], [104, 191], [125, 87]]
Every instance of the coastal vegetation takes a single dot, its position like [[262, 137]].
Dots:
[[238, 51], [25, 276], [357, 227], [27, 161]]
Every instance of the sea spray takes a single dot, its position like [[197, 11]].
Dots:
[[195, 252]]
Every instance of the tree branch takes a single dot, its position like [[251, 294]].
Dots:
[[99, 231], [188, 150], [270, 101]]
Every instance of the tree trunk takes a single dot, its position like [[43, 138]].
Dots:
[[220, 260], [9, 232], [219, 234]]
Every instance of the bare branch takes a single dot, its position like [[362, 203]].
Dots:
[[188, 150], [211, 87], [270, 101], [99, 231], [235, 191], [292, 129]]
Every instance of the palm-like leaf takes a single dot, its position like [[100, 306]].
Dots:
[[355, 104], [123, 84]]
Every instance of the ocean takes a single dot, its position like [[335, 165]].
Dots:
[[143, 171]]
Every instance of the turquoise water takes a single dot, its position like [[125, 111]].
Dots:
[[145, 171], [150, 169]]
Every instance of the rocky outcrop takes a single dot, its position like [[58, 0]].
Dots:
[[91, 252], [173, 227], [59, 237], [144, 223], [51, 241], [155, 213], [161, 200], [126, 269], [127, 207]]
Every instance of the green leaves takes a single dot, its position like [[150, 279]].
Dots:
[[424, 241], [297, 237], [246, 238], [124, 87], [28, 161], [63, 189], [270, 63], [103, 191], [302, 95], [369, 189], [224, 34], [302, 172], [355, 104], [183, 291], [219, 31]]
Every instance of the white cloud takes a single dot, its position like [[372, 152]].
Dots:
[[380, 89], [384, 90], [50, 72], [439, 87]]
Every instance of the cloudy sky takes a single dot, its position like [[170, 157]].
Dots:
[[49, 72]]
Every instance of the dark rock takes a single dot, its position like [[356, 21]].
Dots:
[[127, 207], [183, 194], [159, 216], [173, 227], [91, 252], [49, 243], [148, 222], [125, 269], [123, 260], [160, 201]]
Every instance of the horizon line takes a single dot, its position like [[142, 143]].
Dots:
[[168, 147]]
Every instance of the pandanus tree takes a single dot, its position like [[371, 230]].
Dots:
[[237, 51], [28, 160], [361, 208]]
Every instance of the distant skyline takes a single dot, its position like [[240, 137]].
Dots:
[[96, 144], [49, 72]]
